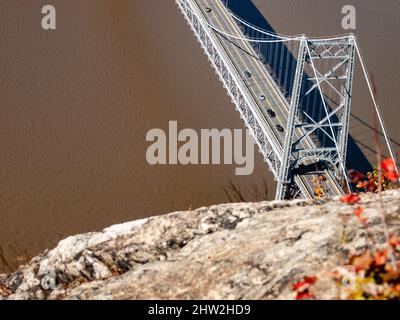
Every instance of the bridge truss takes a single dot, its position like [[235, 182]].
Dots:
[[331, 67], [314, 77]]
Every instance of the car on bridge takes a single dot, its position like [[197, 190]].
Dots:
[[271, 113], [208, 9], [262, 97], [280, 128]]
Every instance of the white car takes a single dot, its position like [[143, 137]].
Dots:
[[262, 97]]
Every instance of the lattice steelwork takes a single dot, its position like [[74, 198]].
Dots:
[[325, 66], [308, 81], [230, 80]]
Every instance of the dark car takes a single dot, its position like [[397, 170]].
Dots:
[[280, 128], [271, 113]]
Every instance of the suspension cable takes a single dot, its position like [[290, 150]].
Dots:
[[263, 40], [278, 38], [288, 37]]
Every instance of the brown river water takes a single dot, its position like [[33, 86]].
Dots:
[[77, 102]]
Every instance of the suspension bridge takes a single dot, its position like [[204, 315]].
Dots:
[[294, 94]]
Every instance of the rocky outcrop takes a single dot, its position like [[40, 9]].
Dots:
[[230, 251]]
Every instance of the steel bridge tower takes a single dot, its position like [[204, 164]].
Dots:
[[330, 66]]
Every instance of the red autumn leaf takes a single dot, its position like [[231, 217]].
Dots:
[[299, 285], [305, 283], [392, 176], [388, 165], [359, 213], [350, 198], [304, 295]]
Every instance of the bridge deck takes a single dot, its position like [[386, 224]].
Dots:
[[259, 85]]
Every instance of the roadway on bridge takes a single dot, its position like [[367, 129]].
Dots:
[[267, 97]]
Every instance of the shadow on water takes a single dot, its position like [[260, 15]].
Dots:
[[282, 64]]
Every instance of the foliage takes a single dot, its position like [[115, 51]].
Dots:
[[319, 191], [350, 198], [375, 274], [375, 277], [371, 182], [302, 288]]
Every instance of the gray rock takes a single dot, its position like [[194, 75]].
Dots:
[[230, 251]]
